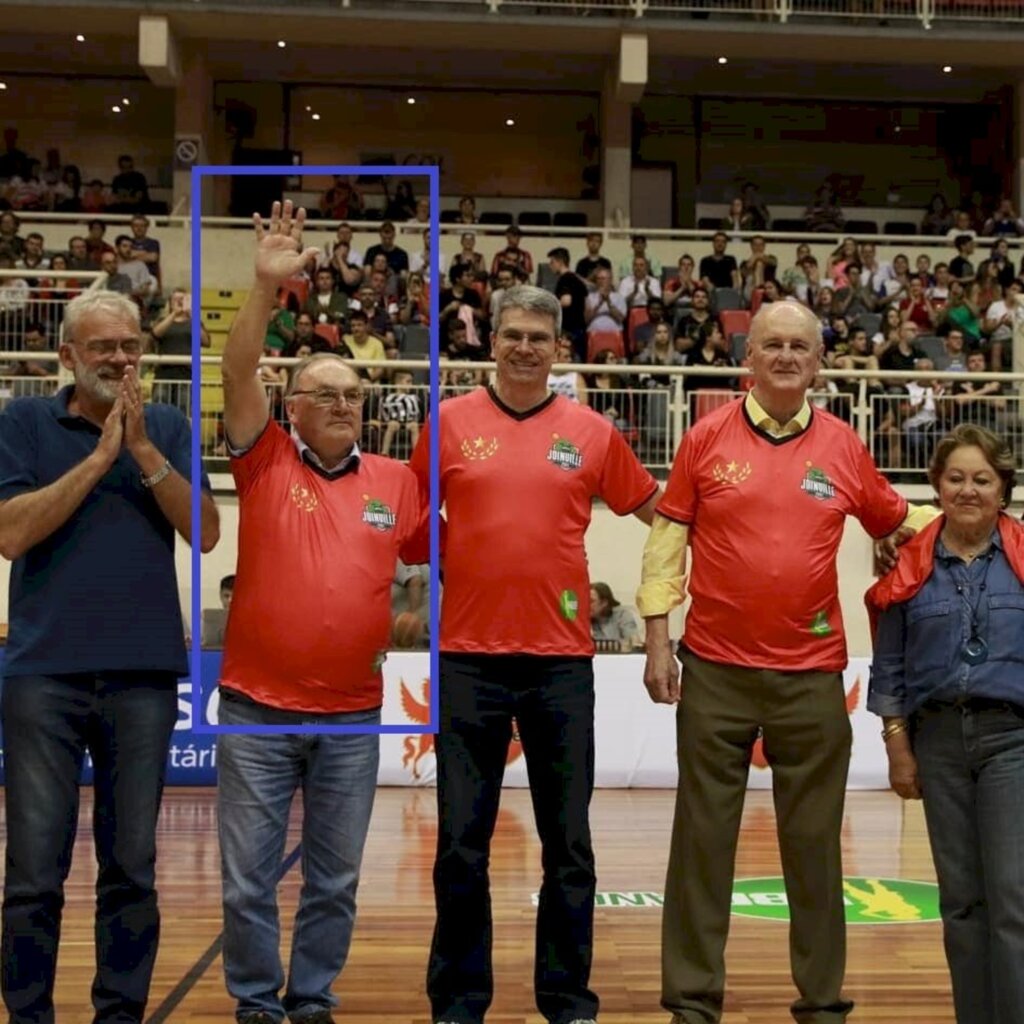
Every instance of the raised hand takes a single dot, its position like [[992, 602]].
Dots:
[[279, 252]]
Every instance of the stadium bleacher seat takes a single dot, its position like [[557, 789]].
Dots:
[[637, 317], [496, 217], [735, 321], [900, 227], [598, 340], [372, 213], [329, 332], [871, 322], [934, 348], [738, 346], [787, 224], [726, 298], [535, 218], [708, 223], [861, 227], [299, 287], [569, 219], [217, 320], [416, 342], [449, 216], [222, 298]]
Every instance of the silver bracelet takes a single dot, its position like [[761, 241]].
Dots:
[[163, 471]]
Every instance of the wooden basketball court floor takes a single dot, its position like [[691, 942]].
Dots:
[[896, 972]]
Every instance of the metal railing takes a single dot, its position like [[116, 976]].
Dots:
[[652, 407], [926, 12]]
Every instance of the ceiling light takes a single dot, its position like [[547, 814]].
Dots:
[[946, 68], [316, 117], [281, 44], [509, 122], [309, 110], [411, 101], [125, 102], [723, 60], [3, 85], [79, 38], [116, 109]]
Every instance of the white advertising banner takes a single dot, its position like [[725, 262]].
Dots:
[[635, 738]]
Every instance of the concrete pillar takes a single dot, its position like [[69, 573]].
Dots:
[[623, 86]]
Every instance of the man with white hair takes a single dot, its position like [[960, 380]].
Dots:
[[339, 518], [760, 491], [94, 483]]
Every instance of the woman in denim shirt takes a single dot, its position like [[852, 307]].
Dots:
[[948, 681]]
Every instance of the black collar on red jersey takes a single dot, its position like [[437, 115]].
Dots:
[[493, 395], [771, 438]]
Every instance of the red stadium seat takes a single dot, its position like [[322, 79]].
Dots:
[[637, 316], [329, 332], [735, 321], [755, 300], [299, 287], [598, 340]]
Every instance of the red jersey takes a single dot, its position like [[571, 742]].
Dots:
[[517, 491], [766, 516], [311, 613]]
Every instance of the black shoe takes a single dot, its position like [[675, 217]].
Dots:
[[317, 1017], [260, 1017]]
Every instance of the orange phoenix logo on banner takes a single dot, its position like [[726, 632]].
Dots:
[[757, 758], [417, 747]]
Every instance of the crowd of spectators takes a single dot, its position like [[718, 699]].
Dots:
[[899, 315], [28, 184]]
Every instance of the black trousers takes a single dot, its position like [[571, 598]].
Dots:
[[552, 701]]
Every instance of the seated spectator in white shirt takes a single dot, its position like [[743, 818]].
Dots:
[[939, 292], [614, 626], [342, 238], [605, 309], [420, 262], [961, 226], [638, 287]]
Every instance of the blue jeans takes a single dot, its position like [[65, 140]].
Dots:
[[552, 700], [125, 721], [257, 776], [971, 766]]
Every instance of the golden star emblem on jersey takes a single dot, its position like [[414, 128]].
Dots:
[[477, 448], [732, 472], [304, 498]]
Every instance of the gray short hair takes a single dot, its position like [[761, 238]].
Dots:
[[532, 300], [97, 301], [317, 357]]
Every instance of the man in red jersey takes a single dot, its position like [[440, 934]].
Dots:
[[760, 490], [519, 467], [321, 526]]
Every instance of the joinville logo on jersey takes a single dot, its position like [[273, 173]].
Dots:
[[817, 484], [377, 514], [867, 900], [564, 454]]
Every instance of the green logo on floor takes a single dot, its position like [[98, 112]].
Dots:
[[868, 900]]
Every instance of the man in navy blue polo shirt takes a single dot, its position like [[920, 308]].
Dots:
[[93, 485]]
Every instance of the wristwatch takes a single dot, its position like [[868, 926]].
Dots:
[[163, 471]]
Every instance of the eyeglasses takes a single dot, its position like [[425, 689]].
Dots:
[[330, 396], [131, 347]]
